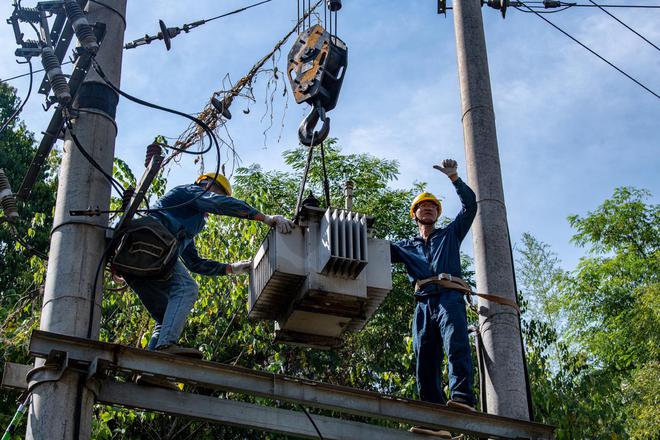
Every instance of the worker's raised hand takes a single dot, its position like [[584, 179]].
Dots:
[[448, 167], [282, 224], [240, 267]]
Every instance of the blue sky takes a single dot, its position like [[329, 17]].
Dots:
[[570, 128]]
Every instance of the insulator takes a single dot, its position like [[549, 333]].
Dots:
[[31, 44], [7, 199], [311, 200], [334, 5], [54, 71], [152, 150], [28, 15], [81, 26], [127, 197]]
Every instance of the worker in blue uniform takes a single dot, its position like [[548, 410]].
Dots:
[[439, 324], [183, 211]]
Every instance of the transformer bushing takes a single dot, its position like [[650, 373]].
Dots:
[[57, 79], [7, 199], [81, 26]]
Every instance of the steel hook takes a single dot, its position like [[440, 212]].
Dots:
[[306, 133]]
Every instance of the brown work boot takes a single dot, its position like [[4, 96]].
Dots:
[[440, 433], [155, 381], [459, 403], [178, 350]]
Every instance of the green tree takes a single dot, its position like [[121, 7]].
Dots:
[[593, 349], [612, 303], [21, 273]]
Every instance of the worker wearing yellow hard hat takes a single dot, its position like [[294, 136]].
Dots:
[[424, 197], [179, 216], [440, 320], [216, 179]]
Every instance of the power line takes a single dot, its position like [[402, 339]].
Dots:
[[167, 33], [593, 52], [236, 11], [614, 6], [623, 24], [197, 23], [20, 108]]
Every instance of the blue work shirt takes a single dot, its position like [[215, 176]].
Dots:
[[189, 220], [441, 252]]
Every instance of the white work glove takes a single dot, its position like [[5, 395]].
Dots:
[[448, 167], [240, 267], [282, 224]]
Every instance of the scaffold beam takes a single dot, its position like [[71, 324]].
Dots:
[[228, 412], [122, 359]]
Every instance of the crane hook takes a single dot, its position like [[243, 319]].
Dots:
[[306, 133]]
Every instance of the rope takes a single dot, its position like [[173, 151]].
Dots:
[[210, 115]]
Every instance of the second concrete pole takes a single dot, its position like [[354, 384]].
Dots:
[[505, 387]]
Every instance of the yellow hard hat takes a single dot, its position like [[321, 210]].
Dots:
[[218, 178], [424, 197]]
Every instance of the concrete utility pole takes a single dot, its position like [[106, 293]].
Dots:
[[63, 409], [506, 393]]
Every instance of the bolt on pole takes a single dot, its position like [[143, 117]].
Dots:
[[505, 388], [63, 409]]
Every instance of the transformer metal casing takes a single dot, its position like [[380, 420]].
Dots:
[[326, 277]]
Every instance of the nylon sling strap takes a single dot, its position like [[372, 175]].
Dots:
[[455, 283]]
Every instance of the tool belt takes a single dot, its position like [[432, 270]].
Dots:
[[456, 283]]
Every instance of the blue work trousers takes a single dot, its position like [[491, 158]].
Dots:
[[169, 302], [440, 326]]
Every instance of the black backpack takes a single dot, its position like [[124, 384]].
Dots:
[[146, 250]]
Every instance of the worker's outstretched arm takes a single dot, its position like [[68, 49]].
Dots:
[[463, 221], [200, 265], [222, 205], [227, 205]]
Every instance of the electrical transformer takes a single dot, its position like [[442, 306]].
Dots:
[[326, 277]]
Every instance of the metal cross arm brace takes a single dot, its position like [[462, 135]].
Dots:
[[316, 394], [54, 130]]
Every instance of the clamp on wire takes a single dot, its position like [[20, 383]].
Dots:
[[306, 131]]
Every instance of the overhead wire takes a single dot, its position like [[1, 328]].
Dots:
[[207, 130], [20, 108], [623, 24], [236, 11], [114, 182], [593, 52], [543, 11], [124, 19], [615, 6]]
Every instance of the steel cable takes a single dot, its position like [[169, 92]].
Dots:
[[593, 52]]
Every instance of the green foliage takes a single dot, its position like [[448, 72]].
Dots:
[[593, 351], [21, 274]]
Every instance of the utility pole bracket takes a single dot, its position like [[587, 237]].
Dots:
[[56, 364]]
